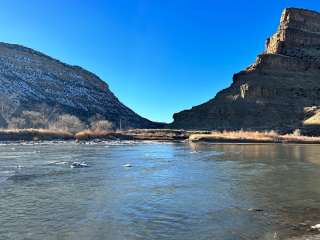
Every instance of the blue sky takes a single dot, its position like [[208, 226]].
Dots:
[[158, 56]]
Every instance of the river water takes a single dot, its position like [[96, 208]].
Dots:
[[149, 191]]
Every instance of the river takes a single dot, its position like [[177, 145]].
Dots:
[[149, 190]]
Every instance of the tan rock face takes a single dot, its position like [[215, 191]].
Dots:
[[274, 92], [297, 36]]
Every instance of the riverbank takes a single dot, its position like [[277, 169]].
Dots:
[[309, 237], [14, 135], [253, 137], [135, 134]]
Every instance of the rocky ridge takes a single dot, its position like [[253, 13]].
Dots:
[[280, 91], [32, 81]]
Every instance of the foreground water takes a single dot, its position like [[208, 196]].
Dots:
[[171, 191]]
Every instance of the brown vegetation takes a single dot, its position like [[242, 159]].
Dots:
[[68, 123], [253, 137], [134, 134], [33, 135], [28, 119], [156, 135], [102, 125], [87, 135]]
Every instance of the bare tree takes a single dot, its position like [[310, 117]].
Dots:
[[102, 125], [28, 119], [34, 119], [17, 123], [69, 123], [8, 105]]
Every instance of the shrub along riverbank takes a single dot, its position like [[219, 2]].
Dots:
[[254, 137], [8, 135]]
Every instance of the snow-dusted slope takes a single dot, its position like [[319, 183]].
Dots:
[[30, 80]]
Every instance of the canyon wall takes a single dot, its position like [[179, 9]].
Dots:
[[277, 91]]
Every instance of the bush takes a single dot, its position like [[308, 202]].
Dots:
[[28, 119], [17, 123], [34, 119], [296, 133], [102, 125], [68, 123]]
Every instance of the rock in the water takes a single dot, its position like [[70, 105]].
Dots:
[[316, 227], [79, 165], [280, 91], [32, 81], [255, 210]]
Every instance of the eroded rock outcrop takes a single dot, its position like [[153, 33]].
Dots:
[[32, 81], [277, 91]]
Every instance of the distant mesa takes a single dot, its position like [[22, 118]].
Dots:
[[280, 91], [33, 81]]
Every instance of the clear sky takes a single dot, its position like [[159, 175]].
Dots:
[[158, 56]]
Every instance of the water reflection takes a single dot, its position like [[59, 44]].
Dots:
[[262, 152], [280, 179]]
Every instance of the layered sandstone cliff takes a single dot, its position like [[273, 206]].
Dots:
[[32, 81], [280, 91]]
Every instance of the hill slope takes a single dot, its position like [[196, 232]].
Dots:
[[32, 81]]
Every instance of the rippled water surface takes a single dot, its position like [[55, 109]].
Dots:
[[168, 191]]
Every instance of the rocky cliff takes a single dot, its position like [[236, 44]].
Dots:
[[32, 81], [280, 91]]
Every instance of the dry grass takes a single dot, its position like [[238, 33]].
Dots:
[[253, 137], [134, 134], [157, 134], [88, 134], [33, 135]]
